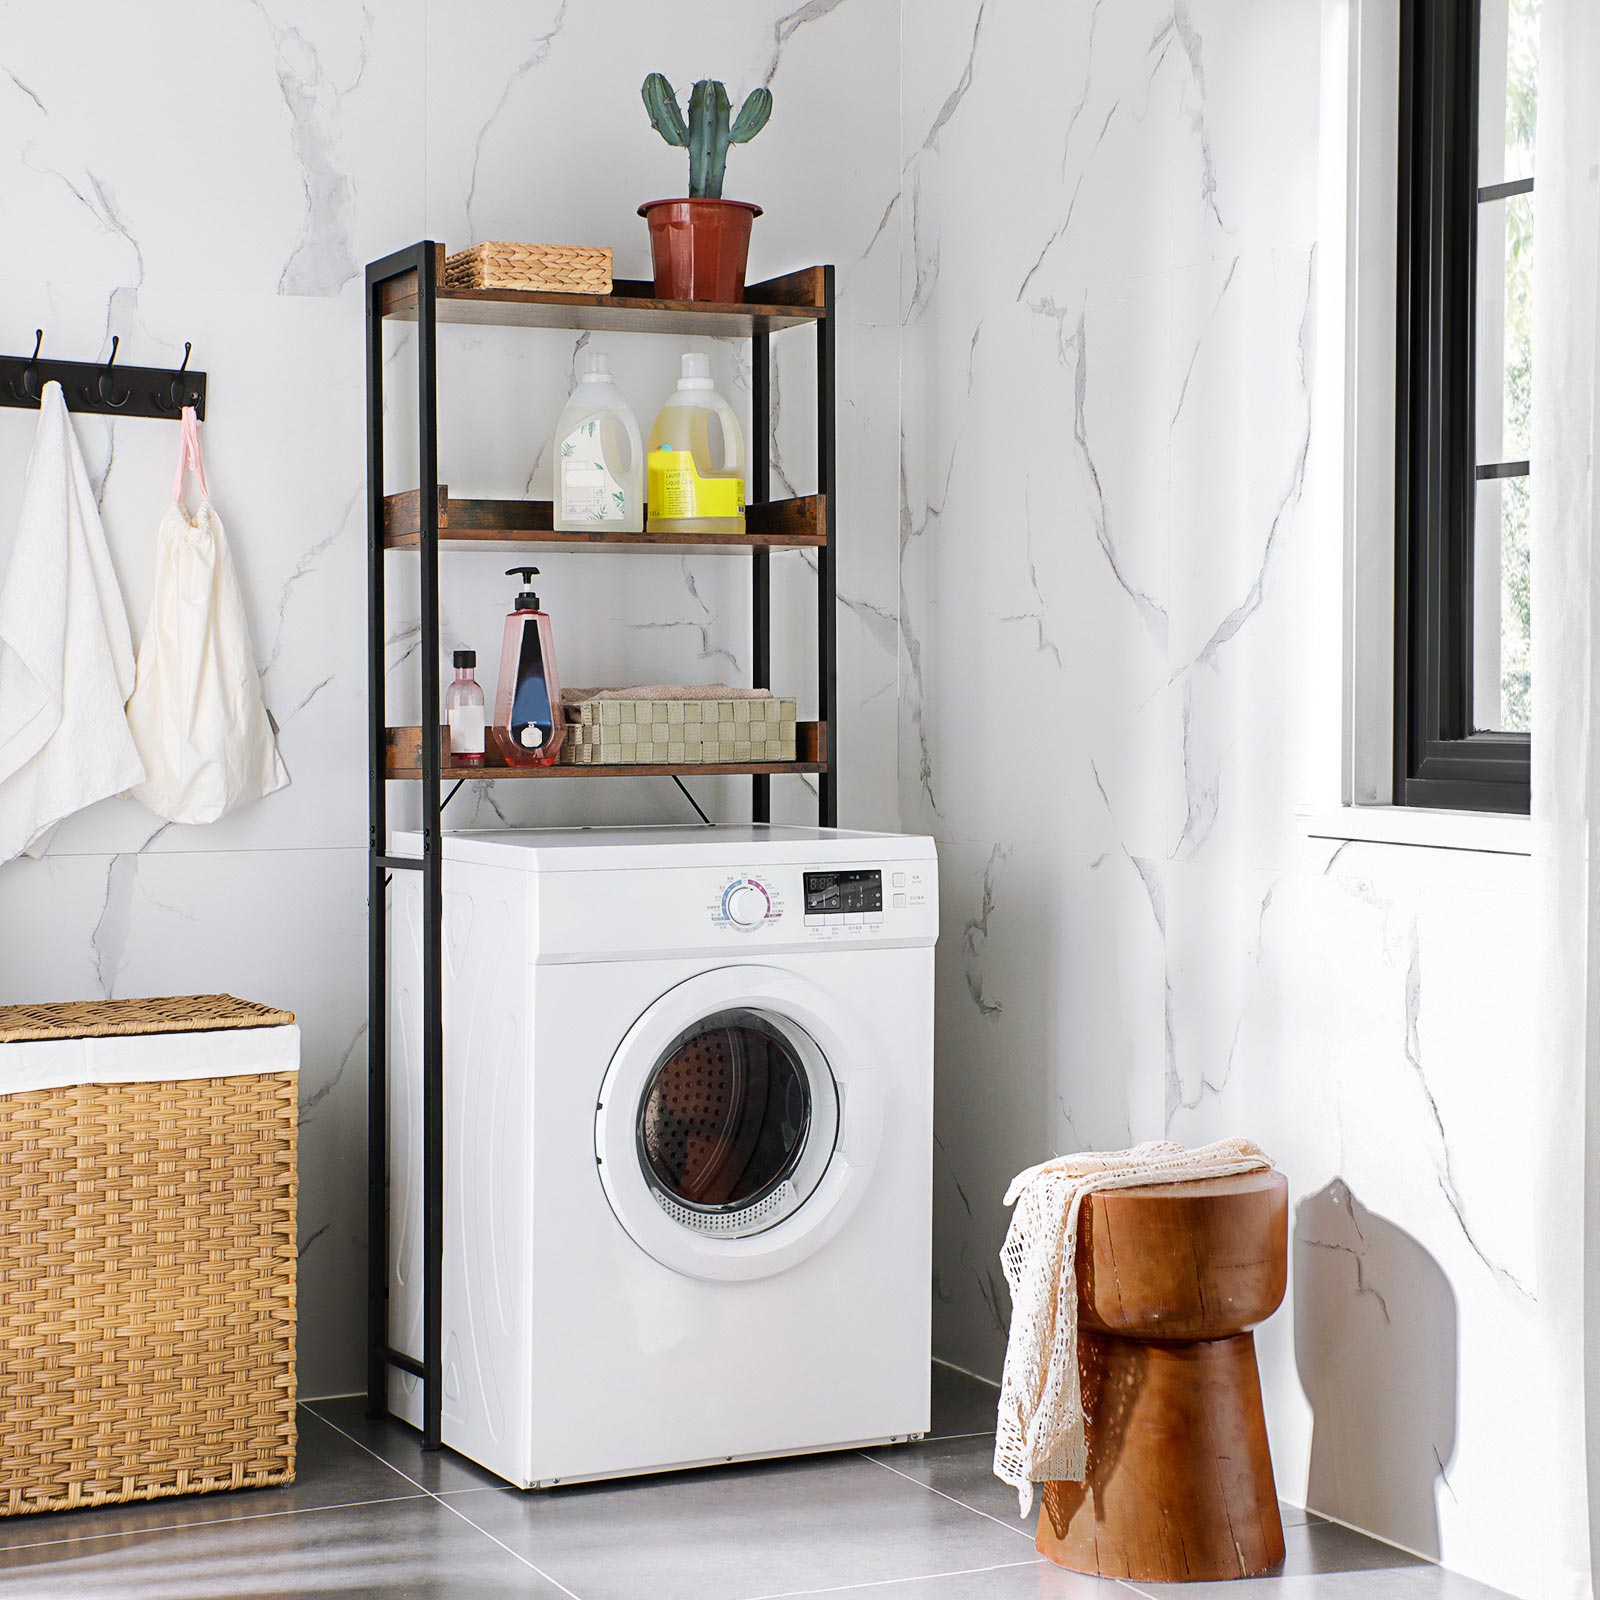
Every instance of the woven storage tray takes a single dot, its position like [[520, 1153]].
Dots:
[[679, 732], [147, 1271], [549, 268]]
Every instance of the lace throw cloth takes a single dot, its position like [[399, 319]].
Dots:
[[1039, 1434]]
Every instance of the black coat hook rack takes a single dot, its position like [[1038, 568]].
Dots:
[[102, 387]]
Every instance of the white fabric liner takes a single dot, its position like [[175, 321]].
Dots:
[[148, 1057]]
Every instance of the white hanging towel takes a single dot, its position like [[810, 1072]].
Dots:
[[66, 659], [197, 712], [1039, 1434]]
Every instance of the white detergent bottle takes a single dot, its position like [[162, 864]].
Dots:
[[599, 460], [696, 460]]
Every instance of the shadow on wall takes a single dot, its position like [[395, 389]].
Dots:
[[1375, 1345]]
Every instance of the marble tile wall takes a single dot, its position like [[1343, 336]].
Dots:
[[272, 149], [1077, 267], [1109, 275]]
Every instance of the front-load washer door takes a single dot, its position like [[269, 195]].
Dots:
[[737, 1125]]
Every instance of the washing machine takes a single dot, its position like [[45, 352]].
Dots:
[[688, 1134]]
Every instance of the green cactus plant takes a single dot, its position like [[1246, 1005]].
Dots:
[[708, 131]]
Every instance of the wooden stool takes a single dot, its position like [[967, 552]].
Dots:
[[1171, 1278]]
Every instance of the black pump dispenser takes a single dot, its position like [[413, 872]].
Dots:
[[527, 600]]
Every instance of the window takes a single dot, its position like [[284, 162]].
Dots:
[[1463, 692]]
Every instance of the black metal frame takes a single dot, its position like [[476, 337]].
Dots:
[[1439, 758], [421, 259], [827, 575]]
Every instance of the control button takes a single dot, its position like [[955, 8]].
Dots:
[[874, 919], [855, 920], [747, 906], [816, 922], [899, 902], [899, 880]]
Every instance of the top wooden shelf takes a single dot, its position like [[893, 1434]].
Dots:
[[631, 307]]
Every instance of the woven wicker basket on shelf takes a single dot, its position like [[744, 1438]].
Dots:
[[683, 732], [147, 1269], [549, 268]]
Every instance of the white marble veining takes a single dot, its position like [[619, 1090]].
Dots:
[[331, 134], [1109, 278]]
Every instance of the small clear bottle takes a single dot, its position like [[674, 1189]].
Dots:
[[463, 710]]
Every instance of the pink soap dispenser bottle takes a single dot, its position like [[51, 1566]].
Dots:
[[528, 723]]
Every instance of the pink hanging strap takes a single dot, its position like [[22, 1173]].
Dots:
[[189, 456]]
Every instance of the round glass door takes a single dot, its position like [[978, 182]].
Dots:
[[736, 1123]]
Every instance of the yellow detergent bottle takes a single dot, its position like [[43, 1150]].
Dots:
[[696, 459]]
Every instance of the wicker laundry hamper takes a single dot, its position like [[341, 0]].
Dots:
[[148, 1252]]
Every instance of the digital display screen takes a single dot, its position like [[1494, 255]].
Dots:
[[840, 894]]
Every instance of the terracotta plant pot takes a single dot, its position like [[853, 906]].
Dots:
[[699, 247]]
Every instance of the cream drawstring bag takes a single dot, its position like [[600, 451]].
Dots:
[[1039, 1432], [197, 714]]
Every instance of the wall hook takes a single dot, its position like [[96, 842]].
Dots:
[[30, 390], [178, 394], [104, 383], [102, 388]]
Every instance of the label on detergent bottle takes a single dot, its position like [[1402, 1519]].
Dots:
[[588, 491], [677, 491]]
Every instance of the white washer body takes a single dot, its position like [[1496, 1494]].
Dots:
[[593, 1326]]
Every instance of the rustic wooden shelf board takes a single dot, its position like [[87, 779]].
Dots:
[[632, 307], [773, 525], [403, 759], [724, 769]]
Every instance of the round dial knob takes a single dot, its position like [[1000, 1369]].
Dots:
[[747, 906]]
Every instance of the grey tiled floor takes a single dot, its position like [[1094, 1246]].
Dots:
[[373, 1516]]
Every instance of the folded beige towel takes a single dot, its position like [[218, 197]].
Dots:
[[666, 691], [1039, 1431]]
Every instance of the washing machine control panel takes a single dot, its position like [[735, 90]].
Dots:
[[844, 894], [823, 905], [855, 900], [747, 903]]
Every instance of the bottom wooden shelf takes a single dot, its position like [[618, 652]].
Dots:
[[403, 759]]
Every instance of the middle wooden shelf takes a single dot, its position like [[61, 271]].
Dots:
[[797, 524], [403, 759]]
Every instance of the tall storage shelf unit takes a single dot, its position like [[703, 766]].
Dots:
[[406, 287]]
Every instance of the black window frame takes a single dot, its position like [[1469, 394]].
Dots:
[[1440, 760]]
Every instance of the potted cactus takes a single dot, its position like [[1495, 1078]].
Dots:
[[699, 245]]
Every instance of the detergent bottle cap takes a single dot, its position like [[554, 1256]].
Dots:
[[594, 366], [695, 371]]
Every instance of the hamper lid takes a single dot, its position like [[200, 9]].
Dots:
[[93, 1019]]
